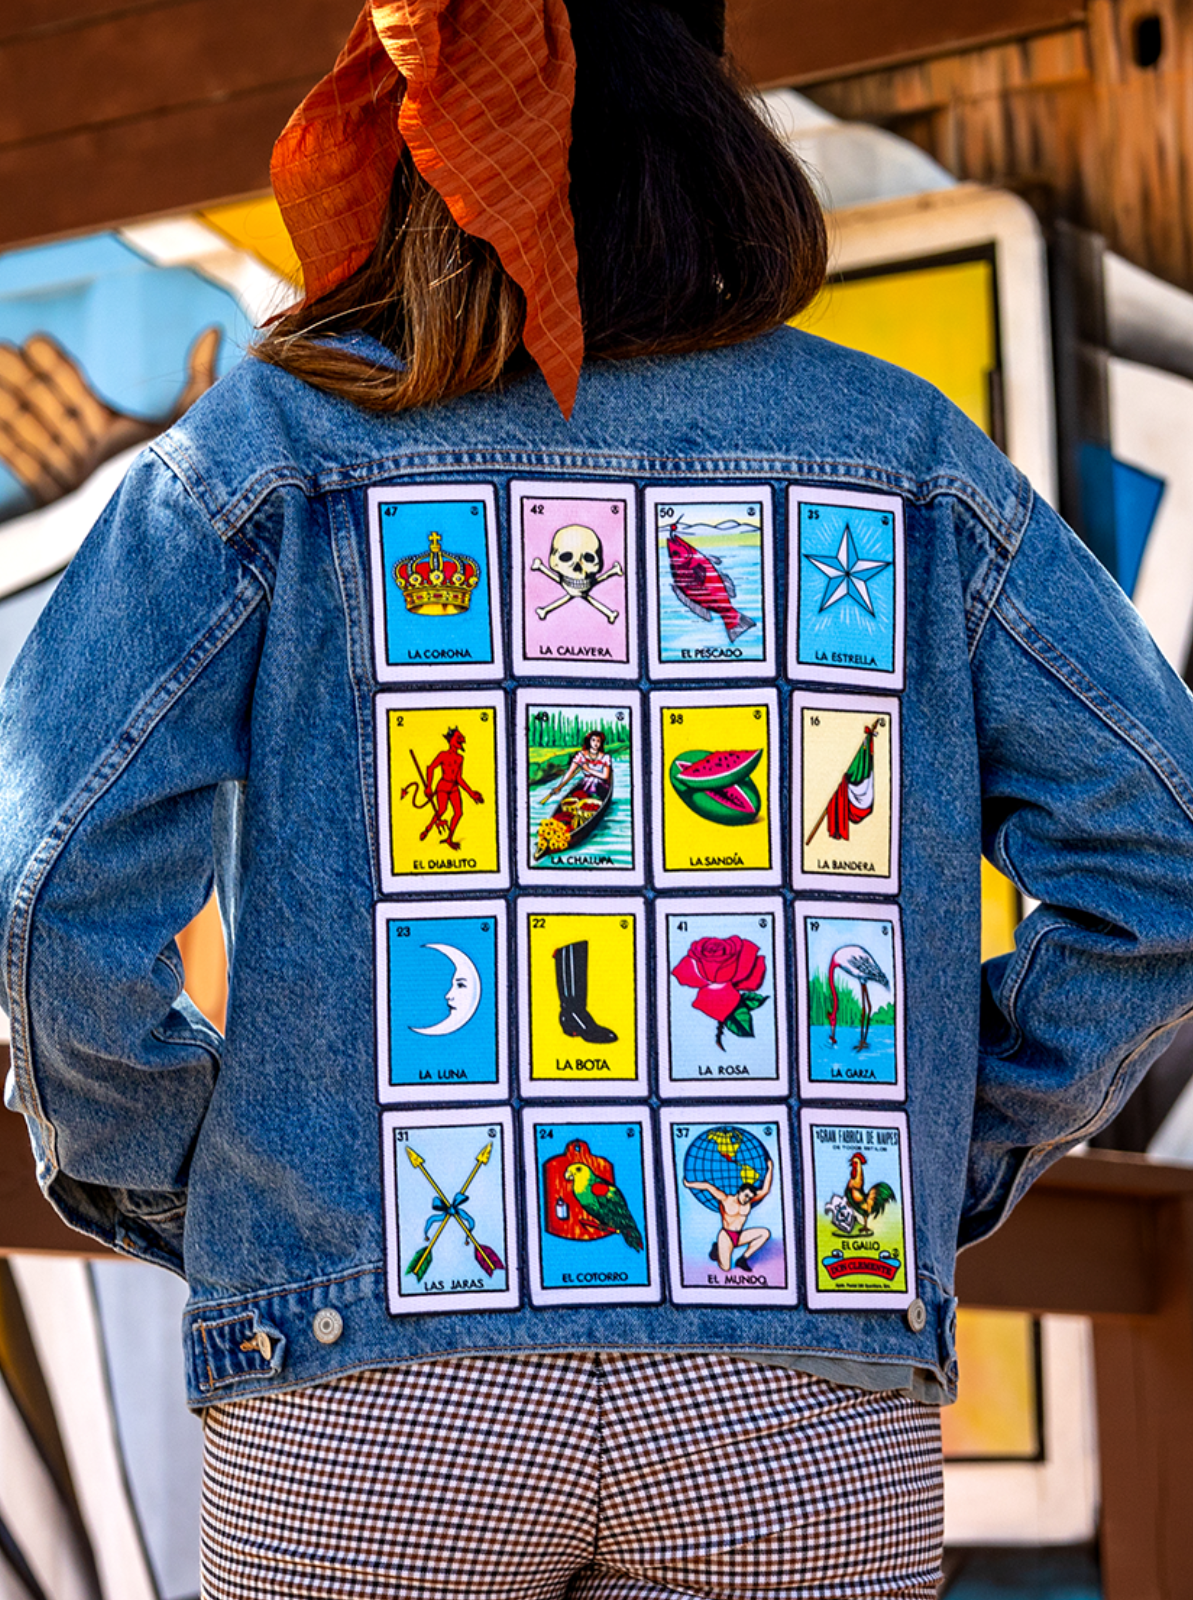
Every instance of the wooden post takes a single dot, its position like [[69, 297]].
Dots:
[[1111, 1236], [1144, 1382]]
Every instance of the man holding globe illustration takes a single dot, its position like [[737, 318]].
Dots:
[[735, 1213]]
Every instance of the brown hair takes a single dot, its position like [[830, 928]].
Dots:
[[695, 227]]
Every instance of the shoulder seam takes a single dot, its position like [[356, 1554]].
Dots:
[[171, 451]]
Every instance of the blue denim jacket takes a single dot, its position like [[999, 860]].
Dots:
[[886, 656]]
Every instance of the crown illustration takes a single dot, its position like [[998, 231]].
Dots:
[[437, 583]]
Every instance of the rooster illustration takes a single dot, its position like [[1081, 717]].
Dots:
[[866, 1203]]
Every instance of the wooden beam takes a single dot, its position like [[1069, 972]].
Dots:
[[28, 1224], [112, 113], [1036, 1261], [779, 42], [178, 160], [112, 68], [116, 110]]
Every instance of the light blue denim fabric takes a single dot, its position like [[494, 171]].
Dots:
[[197, 701]]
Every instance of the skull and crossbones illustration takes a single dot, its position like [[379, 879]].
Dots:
[[576, 562]]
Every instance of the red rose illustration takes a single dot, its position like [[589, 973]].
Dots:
[[727, 973]]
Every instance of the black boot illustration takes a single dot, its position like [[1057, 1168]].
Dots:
[[571, 979]]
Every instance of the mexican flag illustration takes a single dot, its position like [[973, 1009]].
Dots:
[[853, 799]]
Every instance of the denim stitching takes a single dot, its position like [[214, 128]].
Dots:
[[246, 500], [1033, 1161], [282, 1385], [358, 645], [185, 470], [126, 745], [1101, 704], [1016, 977]]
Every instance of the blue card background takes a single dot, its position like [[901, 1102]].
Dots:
[[846, 626], [827, 1064], [419, 980], [405, 528], [699, 1220], [450, 1154], [620, 1143]]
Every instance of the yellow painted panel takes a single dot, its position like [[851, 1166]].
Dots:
[[257, 226], [996, 1416], [1000, 912], [938, 322]]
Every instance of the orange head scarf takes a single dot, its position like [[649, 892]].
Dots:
[[486, 115]]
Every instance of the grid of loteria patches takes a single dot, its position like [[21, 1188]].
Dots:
[[727, 874]]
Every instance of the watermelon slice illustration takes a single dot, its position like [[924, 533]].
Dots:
[[738, 803], [717, 786], [713, 769]]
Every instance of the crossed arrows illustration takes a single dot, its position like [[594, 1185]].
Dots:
[[445, 1211]]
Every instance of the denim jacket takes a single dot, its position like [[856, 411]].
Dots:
[[595, 809]]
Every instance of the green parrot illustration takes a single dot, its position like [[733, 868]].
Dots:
[[604, 1202]]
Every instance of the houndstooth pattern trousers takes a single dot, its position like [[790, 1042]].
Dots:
[[585, 1476]]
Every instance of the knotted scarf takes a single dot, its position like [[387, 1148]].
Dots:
[[481, 95]]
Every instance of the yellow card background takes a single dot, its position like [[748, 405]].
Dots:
[[684, 833], [610, 1001], [828, 751], [422, 730]]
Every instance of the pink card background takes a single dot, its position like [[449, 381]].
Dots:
[[577, 623]]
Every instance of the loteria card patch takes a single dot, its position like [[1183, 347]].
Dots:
[[575, 583], [729, 1204], [858, 1228], [722, 996], [441, 790], [591, 1206], [579, 787], [851, 1021], [847, 587], [845, 786], [582, 997], [716, 780], [433, 557], [442, 1001], [711, 581], [450, 1236]]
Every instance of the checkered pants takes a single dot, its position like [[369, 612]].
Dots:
[[585, 1476]]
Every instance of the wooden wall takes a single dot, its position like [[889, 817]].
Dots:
[[1067, 115], [113, 111]]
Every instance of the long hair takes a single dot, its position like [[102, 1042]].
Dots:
[[695, 227]]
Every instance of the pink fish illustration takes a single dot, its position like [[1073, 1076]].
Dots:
[[701, 586]]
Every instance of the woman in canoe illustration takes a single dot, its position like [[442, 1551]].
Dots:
[[580, 813], [592, 764]]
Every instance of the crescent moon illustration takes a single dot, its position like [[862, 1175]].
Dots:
[[464, 991]]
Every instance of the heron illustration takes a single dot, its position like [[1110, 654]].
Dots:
[[860, 965]]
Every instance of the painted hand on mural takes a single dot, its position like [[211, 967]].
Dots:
[[55, 430]]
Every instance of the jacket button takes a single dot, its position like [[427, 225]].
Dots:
[[917, 1316], [328, 1325]]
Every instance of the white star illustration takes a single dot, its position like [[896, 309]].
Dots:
[[844, 574]]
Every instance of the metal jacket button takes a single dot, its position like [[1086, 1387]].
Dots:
[[917, 1316], [328, 1325]]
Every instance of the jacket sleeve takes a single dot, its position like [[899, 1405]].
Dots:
[[1086, 748], [126, 711]]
